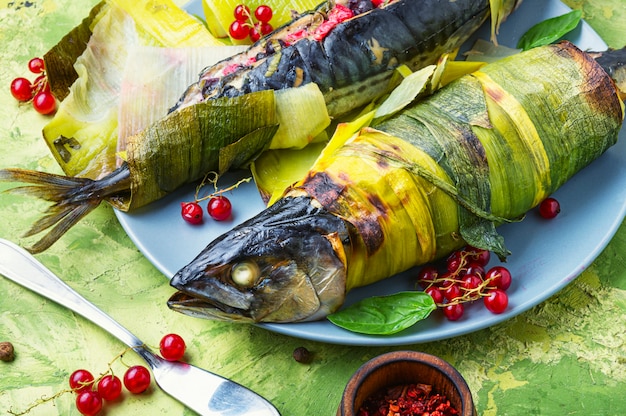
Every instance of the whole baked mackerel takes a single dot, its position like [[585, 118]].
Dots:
[[352, 60]]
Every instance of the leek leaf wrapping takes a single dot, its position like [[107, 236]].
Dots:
[[186, 145], [446, 171], [82, 136]]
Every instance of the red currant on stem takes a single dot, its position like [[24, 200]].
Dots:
[[41, 84], [191, 212], [239, 30], [456, 261], [21, 89], [427, 276], [452, 292], [479, 256], [453, 311], [219, 208], [44, 103], [498, 277], [435, 293], [81, 380], [137, 379], [471, 282], [36, 65], [496, 301], [476, 269], [263, 13], [110, 387], [549, 208], [89, 402], [242, 12], [172, 347]]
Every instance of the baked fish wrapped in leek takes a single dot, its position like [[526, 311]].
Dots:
[[441, 173], [231, 114]]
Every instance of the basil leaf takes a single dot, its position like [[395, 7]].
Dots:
[[385, 315], [549, 30]]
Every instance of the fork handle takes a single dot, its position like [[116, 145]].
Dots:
[[24, 269]]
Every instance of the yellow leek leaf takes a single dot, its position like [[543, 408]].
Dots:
[[166, 24]]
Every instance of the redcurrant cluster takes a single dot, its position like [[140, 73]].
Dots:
[[91, 392], [247, 25], [38, 92], [219, 207], [464, 280]]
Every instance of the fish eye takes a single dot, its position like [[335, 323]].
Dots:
[[245, 274]]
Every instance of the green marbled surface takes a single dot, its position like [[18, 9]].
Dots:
[[563, 357]]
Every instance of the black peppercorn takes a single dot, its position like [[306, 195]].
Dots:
[[7, 353], [302, 355]]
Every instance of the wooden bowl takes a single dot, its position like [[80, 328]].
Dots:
[[405, 367]]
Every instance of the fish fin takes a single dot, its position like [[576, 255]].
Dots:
[[72, 197]]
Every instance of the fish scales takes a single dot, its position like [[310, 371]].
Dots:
[[406, 191]]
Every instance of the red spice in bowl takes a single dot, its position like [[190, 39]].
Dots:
[[403, 369]]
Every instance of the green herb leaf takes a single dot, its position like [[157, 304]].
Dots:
[[385, 315], [549, 30]]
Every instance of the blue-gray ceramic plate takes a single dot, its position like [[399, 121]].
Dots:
[[546, 255]]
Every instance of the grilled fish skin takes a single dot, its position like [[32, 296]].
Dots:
[[402, 197], [354, 62]]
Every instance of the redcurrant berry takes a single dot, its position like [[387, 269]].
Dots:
[[81, 380], [479, 256], [219, 208], [41, 84], [452, 292], [255, 32], [476, 269], [21, 89], [137, 379], [242, 12], [36, 65], [239, 30], [455, 262], [265, 28], [44, 103], [471, 283], [172, 347], [435, 293], [496, 301], [549, 208], [427, 276], [453, 311], [110, 387], [191, 212], [89, 402], [498, 277], [263, 13]]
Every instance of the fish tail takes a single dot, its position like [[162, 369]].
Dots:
[[72, 199]]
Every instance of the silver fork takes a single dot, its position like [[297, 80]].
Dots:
[[202, 391]]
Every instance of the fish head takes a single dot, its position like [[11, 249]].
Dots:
[[287, 264]]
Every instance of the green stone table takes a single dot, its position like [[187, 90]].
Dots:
[[566, 356]]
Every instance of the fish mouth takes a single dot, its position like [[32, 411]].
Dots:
[[209, 298], [205, 308]]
